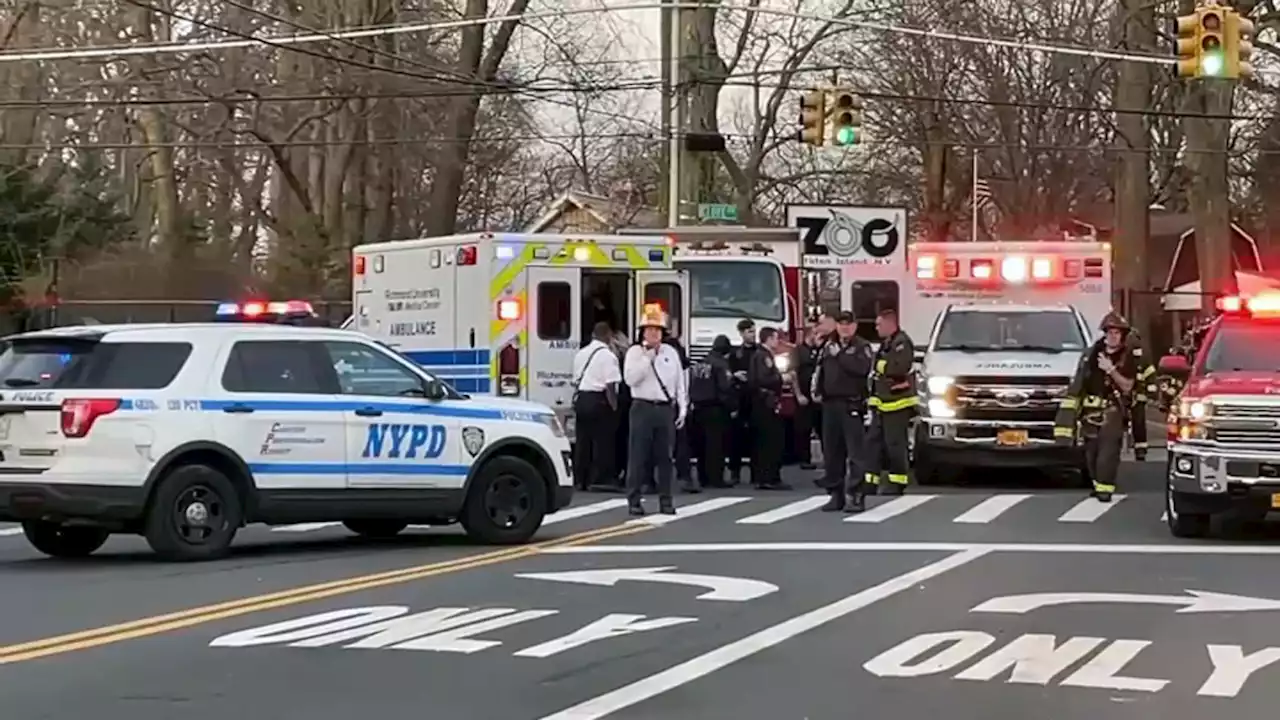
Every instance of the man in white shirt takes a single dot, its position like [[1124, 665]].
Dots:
[[596, 374], [659, 403]]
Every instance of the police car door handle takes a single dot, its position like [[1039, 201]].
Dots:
[[237, 408], [368, 412]]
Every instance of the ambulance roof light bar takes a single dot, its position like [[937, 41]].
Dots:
[[1266, 304]]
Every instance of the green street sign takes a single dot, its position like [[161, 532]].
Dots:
[[717, 211]]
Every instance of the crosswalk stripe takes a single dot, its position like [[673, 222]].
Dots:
[[5, 532], [304, 527], [694, 510], [786, 512], [990, 509], [893, 508], [573, 513], [1089, 509]]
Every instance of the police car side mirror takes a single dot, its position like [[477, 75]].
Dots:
[[433, 390], [1175, 365]]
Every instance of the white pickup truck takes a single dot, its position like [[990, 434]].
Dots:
[[990, 383]]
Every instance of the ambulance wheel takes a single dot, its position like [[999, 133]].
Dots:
[[193, 514], [506, 502], [61, 541], [376, 529]]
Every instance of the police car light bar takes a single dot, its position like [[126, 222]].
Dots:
[[254, 309]]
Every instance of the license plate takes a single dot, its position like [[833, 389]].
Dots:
[[1011, 437], [1275, 501]]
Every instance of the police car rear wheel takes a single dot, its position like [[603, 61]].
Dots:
[[56, 540], [377, 529], [193, 515], [506, 503]]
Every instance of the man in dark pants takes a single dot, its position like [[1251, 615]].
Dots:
[[741, 442], [841, 383], [713, 397], [809, 413], [764, 382], [893, 404], [683, 454], [659, 401], [596, 375]]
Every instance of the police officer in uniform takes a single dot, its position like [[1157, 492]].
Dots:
[[764, 382], [844, 364], [713, 397], [659, 402], [808, 418], [741, 442], [893, 404], [1099, 399]]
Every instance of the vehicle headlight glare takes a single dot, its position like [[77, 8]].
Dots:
[[939, 384], [1196, 410], [783, 362], [940, 409]]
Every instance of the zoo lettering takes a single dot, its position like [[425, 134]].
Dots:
[[429, 439], [402, 329]]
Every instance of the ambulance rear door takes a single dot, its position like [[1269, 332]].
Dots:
[[670, 289], [555, 333]]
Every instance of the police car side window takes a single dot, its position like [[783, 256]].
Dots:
[[363, 370], [273, 366]]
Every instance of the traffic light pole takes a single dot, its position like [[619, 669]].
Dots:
[[675, 115]]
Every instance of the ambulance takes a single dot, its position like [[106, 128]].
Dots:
[[1001, 327], [504, 313]]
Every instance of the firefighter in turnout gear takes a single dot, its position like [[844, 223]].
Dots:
[[893, 405], [1099, 401], [1144, 392], [844, 363]]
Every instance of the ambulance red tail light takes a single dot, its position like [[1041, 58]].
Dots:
[[509, 310], [359, 265], [79, 414], [509, 371], [951, 269], [982, 269], [1071, 269], [467, 255], [1093, 268]]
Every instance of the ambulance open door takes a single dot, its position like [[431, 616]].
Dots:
[[554, 331], [668, 288]]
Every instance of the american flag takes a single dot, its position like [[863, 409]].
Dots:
[[982, 198]]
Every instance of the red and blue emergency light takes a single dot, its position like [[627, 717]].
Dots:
[[1016, 269], [1262, 305], [267, 312]]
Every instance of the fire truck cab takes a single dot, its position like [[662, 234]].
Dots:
[[1224, 428]]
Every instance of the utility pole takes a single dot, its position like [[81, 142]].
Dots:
[[668, 92], [674, 110], [1133, 171]]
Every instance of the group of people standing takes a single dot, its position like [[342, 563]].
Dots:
[[727, 406]]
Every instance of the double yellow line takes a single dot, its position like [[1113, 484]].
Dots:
[[155, 625]]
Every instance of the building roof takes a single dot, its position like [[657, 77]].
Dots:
[[609, 212]]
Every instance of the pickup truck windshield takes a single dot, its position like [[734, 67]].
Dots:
[[735, 289], [1244, 348], [1013, 330]]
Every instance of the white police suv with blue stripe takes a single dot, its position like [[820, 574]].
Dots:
[[184, 433]]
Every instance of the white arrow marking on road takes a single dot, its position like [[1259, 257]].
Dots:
[[1196, 601], [727, 589]]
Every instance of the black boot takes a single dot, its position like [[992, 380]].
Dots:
[[857, 502], [666, 506], [690, 487], [635, 509], [1103, 497], [835, 503]]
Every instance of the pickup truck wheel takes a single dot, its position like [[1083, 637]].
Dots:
[[194, 514], [1184, 525], [376, 529], [506, 502], [61, 541]]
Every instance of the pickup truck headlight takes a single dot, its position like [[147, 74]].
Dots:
[[939, 408], [939, 384], [1191, 418], [1195, 410]]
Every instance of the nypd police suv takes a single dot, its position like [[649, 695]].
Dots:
[[183, 433]]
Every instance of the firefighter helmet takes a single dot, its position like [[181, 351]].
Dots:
[[1114, 321]]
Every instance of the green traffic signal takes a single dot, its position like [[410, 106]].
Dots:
[[846, 136], [1212, 64]]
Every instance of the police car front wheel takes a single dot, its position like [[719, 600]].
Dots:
[[506, 502], [193, 514], [62, 541]]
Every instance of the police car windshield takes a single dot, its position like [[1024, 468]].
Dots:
[[1245, 348], [735, 289], [1030, 331]]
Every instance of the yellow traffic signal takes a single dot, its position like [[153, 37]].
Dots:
[[1239, 46], [813, 118], [846, 124], [1212, 48], [1189, 45]]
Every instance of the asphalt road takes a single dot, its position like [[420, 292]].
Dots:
[[1003, 597]]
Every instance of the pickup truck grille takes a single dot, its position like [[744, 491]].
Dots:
[[1246, 424], [1012, 399], [1267, 412]]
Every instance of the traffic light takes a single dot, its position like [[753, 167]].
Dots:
[[1189, 45], [846, 125], [1239, 46], [813, 118], [1212, 48]]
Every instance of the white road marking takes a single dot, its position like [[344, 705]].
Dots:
[[693, 510], [892, 508], [725, 655], [990, 509], [1164, 516], [786, 512], [304, 527], [573, 513], [5, 532], [1089, 509], [1033, 548]]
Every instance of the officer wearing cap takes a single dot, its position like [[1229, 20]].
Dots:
[[741, 434], [764, 382], [659, 403], [1099, 400], [844, 365]]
